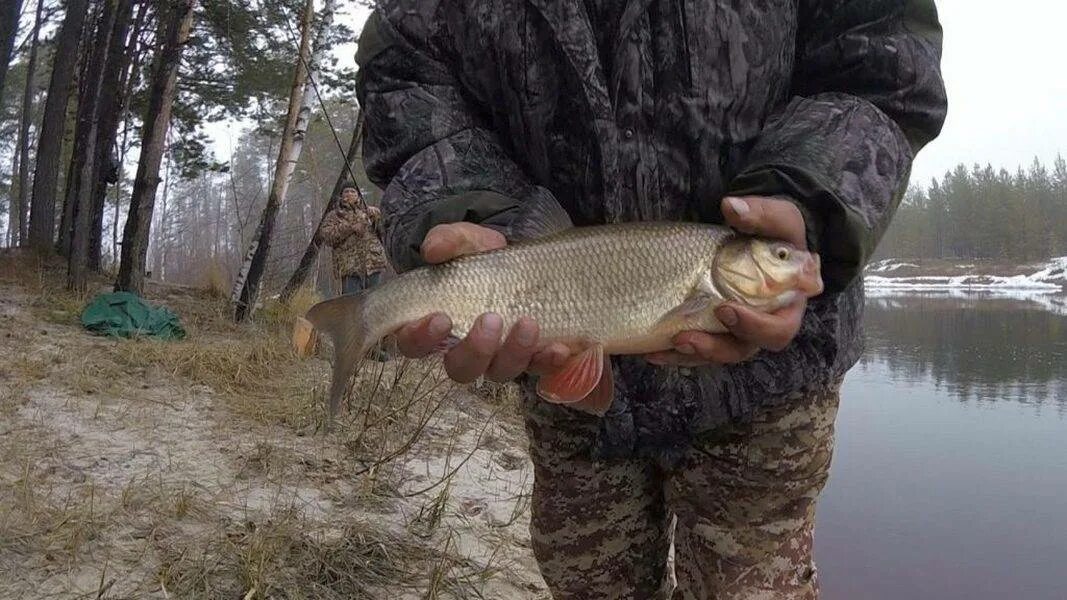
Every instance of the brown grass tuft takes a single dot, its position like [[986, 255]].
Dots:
[[288, 557], [36, 521], [88, 510], [215, 280]]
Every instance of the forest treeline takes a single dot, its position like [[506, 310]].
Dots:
[[984, 213], [106, 107], [105, 113]]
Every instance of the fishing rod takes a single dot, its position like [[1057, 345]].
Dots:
[[329, 122]]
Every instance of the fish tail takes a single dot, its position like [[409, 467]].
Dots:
[[343, 319]]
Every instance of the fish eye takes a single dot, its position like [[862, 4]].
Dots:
[[782, 253]]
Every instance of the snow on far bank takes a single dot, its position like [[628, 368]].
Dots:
[[969, 282], [1055, 271], [1050, 277], [902, 298], [889, 264]]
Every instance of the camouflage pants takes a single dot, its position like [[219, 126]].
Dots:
[[744, 502]]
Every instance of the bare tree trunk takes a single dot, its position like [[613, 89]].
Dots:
[[9, 28], [246, 285], [50, 139], [124, 119], [11, 232], [72, 155], [24, 129], [109, 111], [156, 123], [311, 253], [80, 188]]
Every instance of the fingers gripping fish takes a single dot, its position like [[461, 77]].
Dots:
[[603, 290]]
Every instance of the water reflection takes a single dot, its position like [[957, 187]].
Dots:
[[977, 347], [950, 473]]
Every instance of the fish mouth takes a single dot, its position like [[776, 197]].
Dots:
[[809, 280]]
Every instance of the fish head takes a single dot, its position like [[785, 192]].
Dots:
[[766, 274]]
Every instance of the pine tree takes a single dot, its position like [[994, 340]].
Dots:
[[9, 27], [83, 167], [21, 203], [178, 23], [50, 140]]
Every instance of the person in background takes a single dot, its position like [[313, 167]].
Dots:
[[350, 230]]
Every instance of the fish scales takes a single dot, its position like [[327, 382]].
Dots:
[[604, 290], [597, 283]]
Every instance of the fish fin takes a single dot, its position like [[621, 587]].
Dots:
[[576, 380], [540, 218], [599, 400], [342, 320], [304, 337], [693, 306]]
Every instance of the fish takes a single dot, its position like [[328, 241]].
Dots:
[[601, 290]]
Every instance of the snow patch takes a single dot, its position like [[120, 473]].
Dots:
[[968, 282], [1051, 277], [902, 298], [1055, 271], [889, 264]]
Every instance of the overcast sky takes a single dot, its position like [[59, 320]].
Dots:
[[1007, 83]]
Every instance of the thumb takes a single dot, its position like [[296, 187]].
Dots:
[[769, 217], [447, 241]]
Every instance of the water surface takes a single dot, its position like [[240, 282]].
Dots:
[[950, 474]]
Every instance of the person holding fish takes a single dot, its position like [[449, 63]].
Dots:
[[654, 215]]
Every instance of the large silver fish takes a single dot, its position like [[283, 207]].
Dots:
[[603, 290]]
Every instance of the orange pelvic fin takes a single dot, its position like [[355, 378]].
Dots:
[[599, 400], [581, 382], [304, 337]]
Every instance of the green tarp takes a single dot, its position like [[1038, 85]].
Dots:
[[123, 314]]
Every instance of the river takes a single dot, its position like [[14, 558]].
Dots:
[[950, 472]]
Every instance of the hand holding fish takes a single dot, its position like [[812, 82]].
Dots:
[[480, 352], [749, 330], [570, 299]]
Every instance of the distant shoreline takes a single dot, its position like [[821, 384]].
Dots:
[[971, 275]]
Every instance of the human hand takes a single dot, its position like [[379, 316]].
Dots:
[[481, 352], [750, 330], [374, 212]]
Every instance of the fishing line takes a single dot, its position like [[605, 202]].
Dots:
[[329, 122]]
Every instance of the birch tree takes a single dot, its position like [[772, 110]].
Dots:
[[247, 284], [311, 253]]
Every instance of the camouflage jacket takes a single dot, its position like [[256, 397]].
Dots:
[[478, 110], [356, 248]]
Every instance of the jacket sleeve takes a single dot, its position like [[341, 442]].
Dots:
[[425, 142], [867, 95], [336, 228]]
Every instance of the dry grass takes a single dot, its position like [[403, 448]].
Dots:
[[164, 537], [257, 374], [265, 501], [290, 558], [215, 280], [36, 521]]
